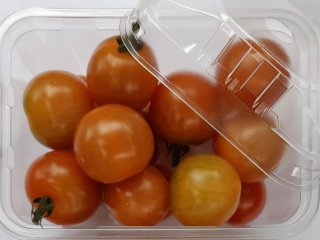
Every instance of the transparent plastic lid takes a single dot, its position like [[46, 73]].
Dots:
[[263, 64]]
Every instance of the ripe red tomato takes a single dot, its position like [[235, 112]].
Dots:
[[112, 143], [141, 200], [67, 195], [55, 102], [114, 76], [252, 202], [259, 140], [204, 191], [252, 74], [174, 121]]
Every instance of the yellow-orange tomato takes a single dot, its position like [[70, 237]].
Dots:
[[204, 191], [114, 76], [258, 140], [112, 143], [141, 200], [55, 102]]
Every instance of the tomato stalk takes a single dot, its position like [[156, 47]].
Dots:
[[136, 43], [176, 152], [41, 207]]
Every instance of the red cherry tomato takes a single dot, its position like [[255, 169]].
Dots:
[[252, 202], [174, 121], [114, 76], [141, 200], [55, 102], [112, 143], [60, 191]]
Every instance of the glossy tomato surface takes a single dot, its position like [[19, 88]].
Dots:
[[174, 121], [252, 201], [252, 74], [204, 191], [258, 140], [55, 102], [57, 175], [112, 143], [141, 200], [114, 76]]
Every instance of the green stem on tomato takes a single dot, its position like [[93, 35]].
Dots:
[[137, 44], [41, 207], [176, 152]]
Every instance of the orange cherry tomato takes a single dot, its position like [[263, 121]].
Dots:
[[252, 202], [259, 140], [60, 191], [55, 102], [250, 72], [112, 143], [174, 121], [114, 76], [141, 200], [204, 191], [166, 172]]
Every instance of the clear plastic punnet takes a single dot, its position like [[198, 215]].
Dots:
[[260, 57], [263, 62]]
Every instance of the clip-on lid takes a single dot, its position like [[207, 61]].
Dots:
[[263, 63]]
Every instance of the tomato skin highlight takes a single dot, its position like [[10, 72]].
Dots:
[[141, 200], [55, 102], [57, 175], [263, 143], [204, 191], [252, 202], [116, 77], [112, 143], [174, 121]]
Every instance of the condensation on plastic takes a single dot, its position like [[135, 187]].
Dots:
[[195, 35]]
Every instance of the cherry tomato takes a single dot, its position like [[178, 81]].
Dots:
[[259, 140], [250, 73], [204, 191], [157, 141], [141, 200], [112, 143], [57, 187], [114, 76], [55, 102], [270, 48], [166, 172], [174, 121], [84, 78], [252, 202]]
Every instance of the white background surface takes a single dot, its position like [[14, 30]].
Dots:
[[6, 6]]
